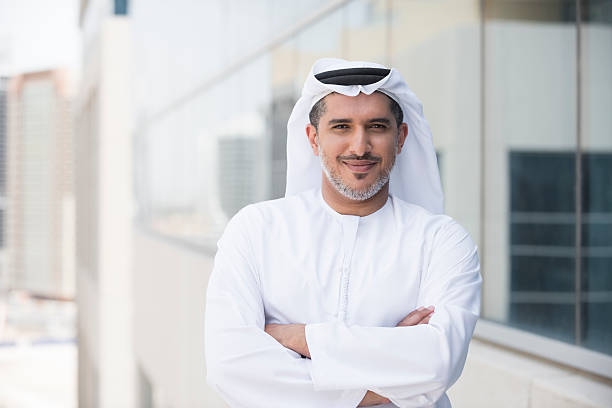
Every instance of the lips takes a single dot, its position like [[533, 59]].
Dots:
[[359, 166]]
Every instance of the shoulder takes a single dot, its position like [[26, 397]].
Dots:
[[416, 216], [270, 210], [436, 228], [260, 216]]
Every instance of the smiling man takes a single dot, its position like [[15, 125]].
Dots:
[[363, 134], [353, 290], [364, 126]]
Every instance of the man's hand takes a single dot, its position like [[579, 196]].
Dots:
[[292, 336], [371, 399], [418, 316]]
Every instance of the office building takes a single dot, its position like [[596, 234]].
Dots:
[[38, 191], [4, 283]]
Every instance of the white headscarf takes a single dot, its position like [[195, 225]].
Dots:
[[415, 177]]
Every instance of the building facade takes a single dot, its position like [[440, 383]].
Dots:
[[39, 201], [4, 277], [104, 209]]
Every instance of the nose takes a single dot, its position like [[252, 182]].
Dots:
[[360, 141]]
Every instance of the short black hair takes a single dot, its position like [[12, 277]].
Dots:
[[316, 112], [320, 107]]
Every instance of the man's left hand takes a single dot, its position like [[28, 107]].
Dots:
[[292, 336]]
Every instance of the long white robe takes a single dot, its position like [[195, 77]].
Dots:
[[350, 279]]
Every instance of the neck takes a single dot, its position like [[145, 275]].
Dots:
[[346, 206]]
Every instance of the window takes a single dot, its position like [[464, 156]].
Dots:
[[121, 7], [548, 265], [542, 245]]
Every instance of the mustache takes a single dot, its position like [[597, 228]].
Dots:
[[366, 156]]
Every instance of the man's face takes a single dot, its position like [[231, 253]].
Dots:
[[357, 140]]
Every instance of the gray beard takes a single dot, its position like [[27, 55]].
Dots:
[[347, 191]]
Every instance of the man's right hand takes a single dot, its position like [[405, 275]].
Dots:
[[371, 399], [418, 316]]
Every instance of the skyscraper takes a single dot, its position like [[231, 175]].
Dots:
[[3, 129], [39, 185]]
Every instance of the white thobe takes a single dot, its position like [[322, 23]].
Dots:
[[350, 279]]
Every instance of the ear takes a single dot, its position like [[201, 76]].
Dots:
[[403, 133], [311, 133]]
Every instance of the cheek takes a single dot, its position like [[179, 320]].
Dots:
[[385, 148], [333, 148]]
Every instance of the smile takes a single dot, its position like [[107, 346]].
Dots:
[[359, 166]]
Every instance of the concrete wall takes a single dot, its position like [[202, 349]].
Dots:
[[104, 218], [499, 377], [169, 296]]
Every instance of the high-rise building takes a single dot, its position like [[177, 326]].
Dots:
[[39, 184], [3, 129]]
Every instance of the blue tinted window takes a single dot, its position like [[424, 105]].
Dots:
[[543, 246], [121, 7]]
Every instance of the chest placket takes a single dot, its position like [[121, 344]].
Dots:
[[349, 236]]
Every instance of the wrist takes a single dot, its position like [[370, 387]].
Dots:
[[300, 340]]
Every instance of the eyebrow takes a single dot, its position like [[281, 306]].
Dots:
[[379, 120], [334, 121]]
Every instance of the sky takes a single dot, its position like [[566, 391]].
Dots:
[[38, 34]]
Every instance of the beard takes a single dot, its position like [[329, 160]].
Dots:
[[347, 191]]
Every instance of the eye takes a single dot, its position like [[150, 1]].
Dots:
[[378, 126], [340, 126]]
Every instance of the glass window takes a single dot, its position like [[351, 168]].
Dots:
[[435, 46], [319, 40], [542, 242], [121, 7], [531, 11], [365, 36], [595, 330], [540, 122]]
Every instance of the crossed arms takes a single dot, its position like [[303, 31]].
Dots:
[[408, 365], [293, 336]]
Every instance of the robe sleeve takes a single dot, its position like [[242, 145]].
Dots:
[[412, 366], [245, 365]]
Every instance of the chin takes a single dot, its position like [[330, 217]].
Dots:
[[362, 185], [361, 189]]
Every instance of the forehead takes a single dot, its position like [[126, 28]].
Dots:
[[360, 106]]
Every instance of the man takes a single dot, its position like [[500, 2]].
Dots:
[[308, 303]]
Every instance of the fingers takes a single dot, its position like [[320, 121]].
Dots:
[[417, 316], [425, 320], [371, 398]]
